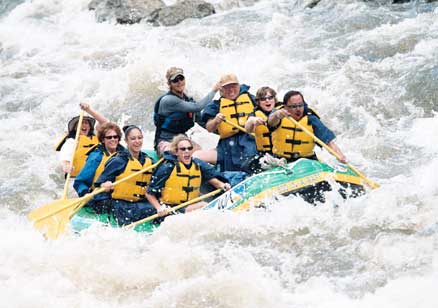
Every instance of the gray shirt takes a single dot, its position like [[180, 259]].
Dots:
[[173, 103]]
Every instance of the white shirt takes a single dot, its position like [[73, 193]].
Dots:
[[67, 149]]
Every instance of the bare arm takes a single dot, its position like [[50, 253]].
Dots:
[[252, 123], [98, 116], [275, 117], [338, 151], [213, 123], [219, 184]]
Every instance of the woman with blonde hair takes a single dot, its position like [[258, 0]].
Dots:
[[180, 177]]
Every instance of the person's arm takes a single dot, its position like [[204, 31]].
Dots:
[[275, 117], [153, 200], [212, 176], [172, 103], [342, 158], [158, 180], [213, 123], [252, 123], [99, 117], [327, 136], [219, 184], [113, 167], [84, 180], [65, 155]]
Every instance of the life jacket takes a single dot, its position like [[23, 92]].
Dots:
[[236, 111], [133, 189], [84, 145], [175, 122], [105, 157], [182, 185], [290, 141], [262, 134]]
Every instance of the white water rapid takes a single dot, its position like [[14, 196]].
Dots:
[[370, 69]]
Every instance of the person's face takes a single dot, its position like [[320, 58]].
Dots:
[[134, 140], [267, 102], [184, 152], [111, 140], [231, 91], [85, 127], [295, 107], [178, 84]]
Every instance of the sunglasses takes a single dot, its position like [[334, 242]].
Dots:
[[111, 137], [292, 106], [185, 149], [177, 79], [262, 99]]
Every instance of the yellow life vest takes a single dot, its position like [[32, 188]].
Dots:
[[105, 157], [262, 134], [236, 111], [182, 185], [85, 143], [290, 141], [133, 189]]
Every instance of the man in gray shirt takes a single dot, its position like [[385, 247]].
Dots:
[[174, 111]]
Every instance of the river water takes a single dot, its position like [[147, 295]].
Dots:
[[369, 69]]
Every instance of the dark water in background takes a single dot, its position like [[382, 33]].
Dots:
[[370, 70]]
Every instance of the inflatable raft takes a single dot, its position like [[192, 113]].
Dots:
[[308, 179]]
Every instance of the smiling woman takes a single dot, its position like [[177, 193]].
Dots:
[[87, 140], [128, 202], [174, 111], [180, 177], [109, 135]]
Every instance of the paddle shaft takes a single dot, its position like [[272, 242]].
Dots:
[[175, 208], [331, 151], [238, 127], [80, 202], [100, 190], [78, 133]]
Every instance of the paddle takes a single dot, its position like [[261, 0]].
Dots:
[[175, 208], [370, 183], [238, 127], [52, 218], [78, 133]]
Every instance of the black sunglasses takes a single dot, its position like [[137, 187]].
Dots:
[[111, 137], [185, 148], [292, 106], [177, 79], [262, 99]]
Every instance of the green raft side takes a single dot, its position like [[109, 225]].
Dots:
[[280, 181], [86, 217]]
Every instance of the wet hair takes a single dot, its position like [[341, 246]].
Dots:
[[263, 91], [291, 93], [102, 130], [128, 128], [176, 140]]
